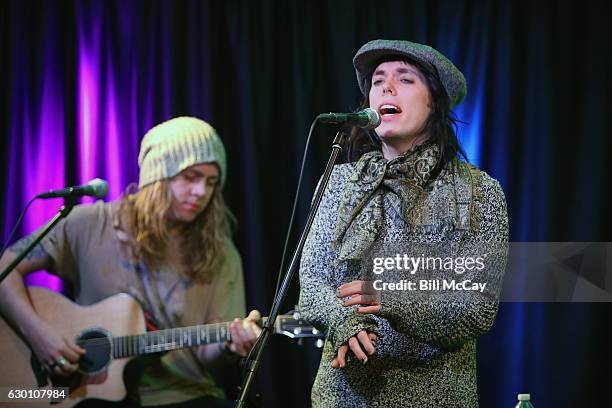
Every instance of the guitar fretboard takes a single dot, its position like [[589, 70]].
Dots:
[[170, 339]]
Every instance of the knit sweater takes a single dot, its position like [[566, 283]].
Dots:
[[426, 351]]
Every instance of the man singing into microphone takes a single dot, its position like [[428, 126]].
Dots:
[[406, 185], [168, 245]]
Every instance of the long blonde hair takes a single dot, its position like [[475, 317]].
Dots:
[[147, 214]]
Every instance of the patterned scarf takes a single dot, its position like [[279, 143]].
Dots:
[[360, 216]]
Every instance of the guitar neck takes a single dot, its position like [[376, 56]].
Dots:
[[170, 339]]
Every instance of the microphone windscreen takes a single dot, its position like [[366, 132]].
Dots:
[[99, 187], [374, 117]]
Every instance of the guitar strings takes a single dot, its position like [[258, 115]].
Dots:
[[130, 341], [134, 341]]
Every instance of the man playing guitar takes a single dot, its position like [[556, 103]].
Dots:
[[168, 245]]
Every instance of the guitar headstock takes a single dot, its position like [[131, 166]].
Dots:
[[292, 325]]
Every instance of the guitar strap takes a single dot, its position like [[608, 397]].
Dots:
[[150, 316], [167, 322], [127, 251], [159, 309]]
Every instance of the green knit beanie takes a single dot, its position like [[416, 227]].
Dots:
[[179, 143]]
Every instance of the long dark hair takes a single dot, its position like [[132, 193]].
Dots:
[[441, 124]]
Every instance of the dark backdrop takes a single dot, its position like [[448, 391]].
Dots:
[[82, 81]]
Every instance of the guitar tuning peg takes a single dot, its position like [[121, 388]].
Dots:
[[319, 343], [296, 315]]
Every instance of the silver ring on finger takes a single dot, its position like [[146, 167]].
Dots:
[[53, 365], [61, 362]]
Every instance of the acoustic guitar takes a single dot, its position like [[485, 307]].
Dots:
[[112, 332]]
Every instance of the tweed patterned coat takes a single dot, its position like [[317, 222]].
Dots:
[[426, 352]]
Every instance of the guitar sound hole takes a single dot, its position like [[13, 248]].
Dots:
[[97, 344]]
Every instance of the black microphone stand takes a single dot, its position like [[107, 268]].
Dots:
[[267, 329], [63, 212]]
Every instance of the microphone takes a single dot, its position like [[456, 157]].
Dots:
[[95, 188], [367, 118]]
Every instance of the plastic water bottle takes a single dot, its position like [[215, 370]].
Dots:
[[524, 401]]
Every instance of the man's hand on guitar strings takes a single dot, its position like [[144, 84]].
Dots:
[[244, 333], [59, 355]]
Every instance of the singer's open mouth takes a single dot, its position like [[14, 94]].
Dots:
[[388, 109]]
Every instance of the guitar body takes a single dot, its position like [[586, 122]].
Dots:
[[118, 315], [113, 332], [16, 355]]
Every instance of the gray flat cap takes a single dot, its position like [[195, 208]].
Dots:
[[370, 53]]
